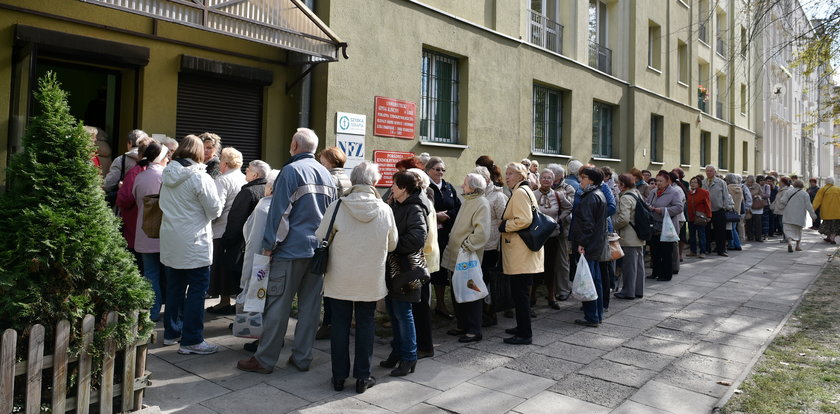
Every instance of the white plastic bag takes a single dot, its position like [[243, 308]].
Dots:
[[247, 324], [257, 284], [583, 288], [467, 280], [669, 233]]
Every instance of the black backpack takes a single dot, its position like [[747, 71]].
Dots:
[[643, 219]]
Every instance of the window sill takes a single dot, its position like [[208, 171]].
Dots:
[[685, 165], [542, 154], [683, 3], [703, 42], [606, 159], [654, 70], [657, 163], [441, 144], [720, 55], [683, 84]]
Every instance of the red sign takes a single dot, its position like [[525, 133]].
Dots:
[[387, 161], [394, 118]]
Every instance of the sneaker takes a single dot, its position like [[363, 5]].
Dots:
[[204, 348], [168, 342]]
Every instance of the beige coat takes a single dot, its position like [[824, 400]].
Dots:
[[470, 230], [517, 258], [625, 216]]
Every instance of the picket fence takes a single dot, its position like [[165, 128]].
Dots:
[[134, 376]]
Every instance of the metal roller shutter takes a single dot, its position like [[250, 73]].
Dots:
[[233, 110]]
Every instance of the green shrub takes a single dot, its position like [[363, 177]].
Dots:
[[61, 252]]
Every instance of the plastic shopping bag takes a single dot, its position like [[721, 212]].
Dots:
[[247, 324], [467, 281], [669, 233], [583, 288], [257, 284]]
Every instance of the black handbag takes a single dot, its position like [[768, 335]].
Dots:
[[407, 272], [539, 230], [318, 264], [732, 217]]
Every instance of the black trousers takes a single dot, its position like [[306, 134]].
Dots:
[[520, 289], [661, 258], [719, 230], [468, 316], [423, 320], [606, 282]]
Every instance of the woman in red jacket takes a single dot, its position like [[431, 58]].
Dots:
[[699, 205]]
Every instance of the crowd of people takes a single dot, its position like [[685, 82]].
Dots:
[[391, 251]]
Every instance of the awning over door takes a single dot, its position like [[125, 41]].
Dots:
[[287, 24]]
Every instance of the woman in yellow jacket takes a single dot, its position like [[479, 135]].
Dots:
[[518, 261], [827, 202]]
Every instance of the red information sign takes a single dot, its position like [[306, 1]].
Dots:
[[386, 161], [394, 118]]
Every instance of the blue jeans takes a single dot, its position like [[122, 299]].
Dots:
[[402, 323], [697, 238], [340, 337], [593, 310], [151, 271], [735, 243], [184, 315]]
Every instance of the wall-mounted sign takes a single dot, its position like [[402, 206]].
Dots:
[[394, 118], [386, 161], [347, 123], [353, 147]]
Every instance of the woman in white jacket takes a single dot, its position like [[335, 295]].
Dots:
[[355, 280], [794, 204], [189, 201]]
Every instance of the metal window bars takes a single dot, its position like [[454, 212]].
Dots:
[[600, 57], [439, 98], [545, 32], [701, 33], [548, 120]]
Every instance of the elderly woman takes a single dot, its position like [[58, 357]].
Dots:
[[733, 184], [698, 203], [827, 202], [353, 281], [497, 200], [666, 204], [776, 221], [212, 146], [633, 263], [555, 205], [446, 206], [794, 204], [519, 263], [470, 232], [228, 184], [146, 183], [410, 217], [587, 234], [421, 310], [756, 208], [189, 201]]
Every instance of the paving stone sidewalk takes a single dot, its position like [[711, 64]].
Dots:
[[666, 353]]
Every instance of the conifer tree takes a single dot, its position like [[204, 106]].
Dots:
[[61, 253]]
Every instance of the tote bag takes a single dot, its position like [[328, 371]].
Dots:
[[669, 233], [583, 287], [467, 280], [257, 285], [152, 215]]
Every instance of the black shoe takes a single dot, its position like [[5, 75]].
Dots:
[[640, 296], [620, 296], [404, 369], [563, 297], [469, 338], [554, 305], [224, 310], [489, 321], [456, 332], [532, 313], [662, 279], [425, 354], [724, 254], [444, 314], [323, 332], [518, 340], [584, 322], [511, 331], [508, 313], [652, 276], [299, 368], [338, 385], [363, 384], [252, 346], [390, 362]]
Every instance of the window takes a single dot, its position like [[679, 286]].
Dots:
[[745, 155], [703, 21], [682, 61], [743, 99], [543, 26], [705, 148], [720, 25], [744, 42], [439, 98], [654, 45], [720, 96], [723, 153], [600, 56], [685, 143], [602, 130], [656, 143], [548, 120]]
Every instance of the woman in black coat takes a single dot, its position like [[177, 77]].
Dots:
[[407, 259], [447, 205], [588, 234]]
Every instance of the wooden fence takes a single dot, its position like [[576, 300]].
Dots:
[[134, 378]]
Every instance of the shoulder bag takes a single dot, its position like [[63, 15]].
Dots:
[[318, 264], [152, 215], [539, 230]]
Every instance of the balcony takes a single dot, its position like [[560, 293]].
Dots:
[[720, 45], [544, 32], [600, 57], [701, 104], [701, 33]]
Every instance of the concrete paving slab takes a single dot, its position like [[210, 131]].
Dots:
[[470, 398], [727, 352], [397, 395], [424, 408], [659, 346], [311, 386], [549, 402], [192, 409], [440, 376], [512, 382], [631, 321], [570, 352], [496, 346], [590, 339], [695, 381], [174, 389], [710, 365], [543, 366], [641, 359], [620, 373], [594, 390], [340, 405], [673, 335], [673, 399], [216, 367], [473, 359], [617, 331], [262, 398], [632, 407], [739, 341]]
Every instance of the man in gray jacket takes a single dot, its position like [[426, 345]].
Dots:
[[721, 202], [301, 194]]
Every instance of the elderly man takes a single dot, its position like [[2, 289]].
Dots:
[[301, 195], [562, 263], [124, 162], [721, 202], [572, 178]]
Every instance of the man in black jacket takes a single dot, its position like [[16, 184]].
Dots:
[[588, 235]]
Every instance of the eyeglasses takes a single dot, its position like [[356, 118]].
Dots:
[[440, 169]]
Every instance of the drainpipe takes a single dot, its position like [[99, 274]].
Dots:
[[305, 87]]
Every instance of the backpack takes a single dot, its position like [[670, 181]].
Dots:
[[643, 219]]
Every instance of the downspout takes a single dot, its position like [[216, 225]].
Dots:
[[305, 108]]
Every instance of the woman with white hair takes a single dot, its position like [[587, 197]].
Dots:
[[555, 205], [827, 202], [733, 184], [497, 200], [794, 204], [354, 279], [533, 180], [469, 232]]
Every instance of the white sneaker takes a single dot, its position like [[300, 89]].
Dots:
[[168, 342], [204, 348]]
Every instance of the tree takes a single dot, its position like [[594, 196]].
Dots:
[[61, 253]]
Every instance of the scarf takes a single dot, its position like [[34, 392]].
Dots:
[[545, 200]]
